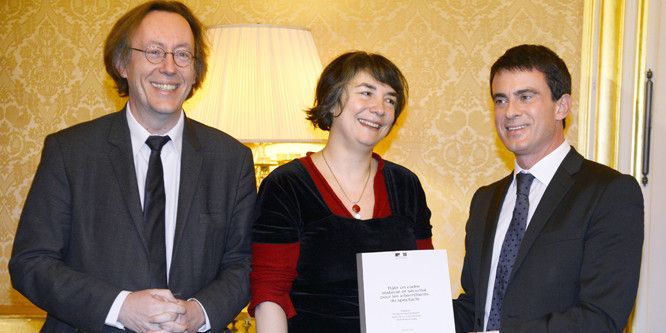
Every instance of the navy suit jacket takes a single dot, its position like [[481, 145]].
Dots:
[[578, 265], [79, 241]]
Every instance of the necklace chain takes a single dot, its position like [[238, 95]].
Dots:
[[367, 178]]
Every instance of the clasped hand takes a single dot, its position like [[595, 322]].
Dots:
[[157, 310]]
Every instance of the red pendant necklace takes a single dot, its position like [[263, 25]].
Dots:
[[355, 207]]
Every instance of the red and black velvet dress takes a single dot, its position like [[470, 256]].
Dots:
[[305, 241]]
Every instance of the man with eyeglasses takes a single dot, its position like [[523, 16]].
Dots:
[[140, 219]]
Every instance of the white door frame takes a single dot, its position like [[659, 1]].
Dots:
[[651, 301], [644, 47]]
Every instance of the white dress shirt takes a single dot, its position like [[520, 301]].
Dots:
[[170, 155], [543, 171]]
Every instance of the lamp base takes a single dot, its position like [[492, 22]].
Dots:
[[267, 156]]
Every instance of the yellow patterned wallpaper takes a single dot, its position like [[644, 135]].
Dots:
[[54, 77]]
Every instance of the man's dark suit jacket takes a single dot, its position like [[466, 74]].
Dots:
[[79, 240], [578, 264]]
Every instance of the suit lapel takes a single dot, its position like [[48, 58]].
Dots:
[[555, 192], [190, 169], [122, 160], [489, 238]]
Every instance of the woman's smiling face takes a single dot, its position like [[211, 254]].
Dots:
[[368, 110]]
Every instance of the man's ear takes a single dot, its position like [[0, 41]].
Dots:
[[563, 107], [121, 68]]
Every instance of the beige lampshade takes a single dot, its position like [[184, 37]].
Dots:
[[260, 80]]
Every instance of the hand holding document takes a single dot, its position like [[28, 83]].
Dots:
[[405, 291]]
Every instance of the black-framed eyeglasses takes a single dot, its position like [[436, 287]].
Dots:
[[156, 55]]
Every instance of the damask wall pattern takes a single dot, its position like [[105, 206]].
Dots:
[[54, 78]]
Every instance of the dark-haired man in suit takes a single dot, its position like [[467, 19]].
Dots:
[[556, 245], [140, 219]]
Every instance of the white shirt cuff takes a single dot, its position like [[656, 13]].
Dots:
[[206, 326], [114, 312]]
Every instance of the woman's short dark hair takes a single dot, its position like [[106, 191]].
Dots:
[[334, 79], [536, 57], [118, 42]]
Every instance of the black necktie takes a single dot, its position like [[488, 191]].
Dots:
[[154, 202], [510, 247]]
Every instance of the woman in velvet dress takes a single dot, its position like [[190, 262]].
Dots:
[[317, 212]]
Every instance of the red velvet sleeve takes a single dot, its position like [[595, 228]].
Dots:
[[424, 244], [273, 272]]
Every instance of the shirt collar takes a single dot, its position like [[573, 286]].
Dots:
[[545, 169], [139, 134]]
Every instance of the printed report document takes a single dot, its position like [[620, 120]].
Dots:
[[405, 291]]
